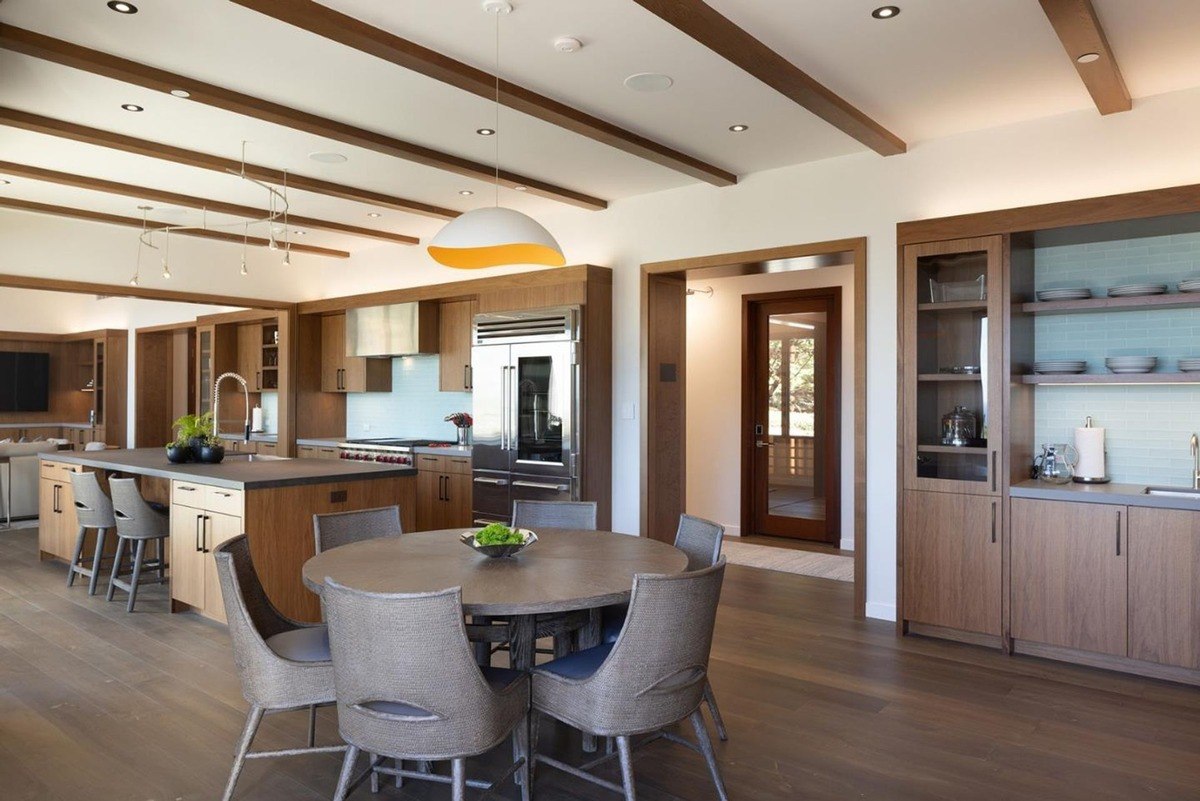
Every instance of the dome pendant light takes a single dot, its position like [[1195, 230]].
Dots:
[[495, 236]]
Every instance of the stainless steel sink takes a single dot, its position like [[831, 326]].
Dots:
[[256, 457], [1173, 492]]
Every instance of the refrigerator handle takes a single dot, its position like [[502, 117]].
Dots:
[[504, 408], [513, 408]]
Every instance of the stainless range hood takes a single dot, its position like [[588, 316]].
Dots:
[[402, 329]]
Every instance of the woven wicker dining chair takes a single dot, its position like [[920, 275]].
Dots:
[[283, 664], [94, 510], [343, 528], [701, 540], [651, 678], [138, 523], [555, 514], [408, 688]]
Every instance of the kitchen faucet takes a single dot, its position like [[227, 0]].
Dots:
[[1195, 462], [217, 403]]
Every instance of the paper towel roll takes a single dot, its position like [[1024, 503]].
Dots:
[[256, 419], [1089, 442]]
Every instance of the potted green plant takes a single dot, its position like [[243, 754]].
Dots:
[[211, 450], [193, 430], [179, 451]]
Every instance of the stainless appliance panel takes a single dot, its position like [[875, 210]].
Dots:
[[542, 409], [490, 367], [491, 497], [384, 330], [542, 488]]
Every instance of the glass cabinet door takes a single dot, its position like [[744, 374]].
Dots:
[[952, 364], [204, 373], [543, 389]]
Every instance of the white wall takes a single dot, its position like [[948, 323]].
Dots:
[[714, 391], [1071, 156]]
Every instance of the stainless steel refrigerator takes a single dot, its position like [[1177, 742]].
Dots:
[[525, 369]]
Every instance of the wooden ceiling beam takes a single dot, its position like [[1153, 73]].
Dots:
[[346, 30], [127, 291], [191, 158], [134, 222], [1080, 32], [707, 26], [36, 45], [190, 201]]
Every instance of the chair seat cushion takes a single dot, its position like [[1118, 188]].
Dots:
[[612, 621], [579, 665], [308, 644], [499, 679]]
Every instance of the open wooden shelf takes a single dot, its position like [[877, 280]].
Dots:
[[953, 305], [950, 377], [1091, 305], [949, 449], [1113, 378]]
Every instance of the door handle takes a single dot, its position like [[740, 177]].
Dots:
[[257, 380], [199, 522], [204, 541], [540, 485], [466, 376], [993, 521], [57, 487], [495, 482], [994, 471], [760, 444], [1118, 533]]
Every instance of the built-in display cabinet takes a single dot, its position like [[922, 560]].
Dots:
[[1105, 575]]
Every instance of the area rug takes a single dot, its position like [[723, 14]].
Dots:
[[789, 560]]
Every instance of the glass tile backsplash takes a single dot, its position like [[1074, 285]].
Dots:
[[1147, 426], [414, 408]]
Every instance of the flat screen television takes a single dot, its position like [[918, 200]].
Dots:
[[24, 382]]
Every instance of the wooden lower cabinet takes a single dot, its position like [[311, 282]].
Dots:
[[1164, 586], [443, 492], [1069, 575], [58, 525], [952, 561], [317, 452], [199, 524]]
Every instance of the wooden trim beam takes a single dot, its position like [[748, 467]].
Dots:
[[126, 291], [1079, 29], [708, 27], [36, 45], [134, 222], [346, 30], [191, 158], [190, 201]]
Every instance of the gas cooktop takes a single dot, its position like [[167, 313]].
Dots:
[[401, 443]]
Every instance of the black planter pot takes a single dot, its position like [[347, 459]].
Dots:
[[196, 443], [212, 454], [178, 454]]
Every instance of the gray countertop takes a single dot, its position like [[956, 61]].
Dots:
[[253, 437], [233, 473], [321, 443], [1116, 494], [45, 425], [453, 450]]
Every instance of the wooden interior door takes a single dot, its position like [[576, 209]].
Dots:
[[664, 482], [791, 437], [952, 561], [1164, 572], [1069, 579]]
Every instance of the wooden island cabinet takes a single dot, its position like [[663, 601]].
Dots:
[[1164, 574], [443, 491]]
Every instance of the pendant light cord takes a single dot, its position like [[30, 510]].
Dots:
[[496, 185]]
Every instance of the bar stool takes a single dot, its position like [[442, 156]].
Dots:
[[95, 511], [137, 523]]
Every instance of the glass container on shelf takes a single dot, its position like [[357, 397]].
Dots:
[[204, 376]]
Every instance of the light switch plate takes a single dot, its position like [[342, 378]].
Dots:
[[628, 411]]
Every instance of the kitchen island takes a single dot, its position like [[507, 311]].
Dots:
[[270, 499]]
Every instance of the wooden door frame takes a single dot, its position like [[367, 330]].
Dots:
[[746, 263], [833, 375]]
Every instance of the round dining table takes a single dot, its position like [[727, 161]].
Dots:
[[566, 570]]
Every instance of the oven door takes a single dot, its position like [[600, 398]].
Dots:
[[543, 488], [491, 499]]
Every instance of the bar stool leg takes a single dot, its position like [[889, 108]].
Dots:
[[116, 570], [161, 550], [139, 556], [78, 555], [94, 579]]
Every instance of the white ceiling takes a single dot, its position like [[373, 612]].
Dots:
[[939, 68]]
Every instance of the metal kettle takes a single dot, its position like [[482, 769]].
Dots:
[[1055, 464]]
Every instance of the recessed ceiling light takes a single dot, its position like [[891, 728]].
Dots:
[[885, 12], [485, 131], [132, 107], [300, 233], [374, 215], [521, 188], [649, 82], [1088, 58], [567, 44], [465, 192], [739, 128], [181, 93], [122, 8], [328, 158]]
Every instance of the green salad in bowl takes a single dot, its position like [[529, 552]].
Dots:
[[498, 540]]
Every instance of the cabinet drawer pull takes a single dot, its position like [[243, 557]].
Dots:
[[466, 376], [1118, 533], [204, 541], [186, 488], [540, 485], [199, 522], [993, 471], [495, 482], [993, 521]]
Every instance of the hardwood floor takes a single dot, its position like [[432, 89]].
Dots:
[[98, 704]]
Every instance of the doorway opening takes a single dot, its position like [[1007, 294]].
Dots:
[[695, 448], [791, 410]]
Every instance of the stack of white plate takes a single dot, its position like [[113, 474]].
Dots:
[[1189, 365], [1190, 285], [1136, 290], [1131, 364], [1060, 367], [1076, 293]]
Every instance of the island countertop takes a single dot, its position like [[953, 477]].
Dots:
[[236, 472]]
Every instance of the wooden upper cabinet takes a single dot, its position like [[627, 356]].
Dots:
[[952, 561], [1069, 580], [342, 373], [249, 355], [1164, 574], [454, 344], [953, 302]]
